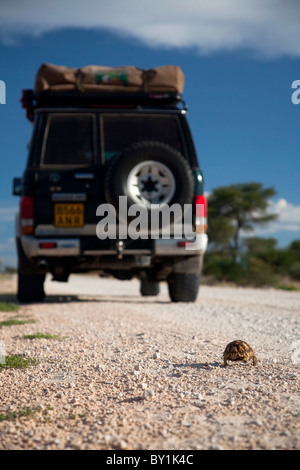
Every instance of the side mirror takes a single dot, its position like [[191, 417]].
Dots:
[[17, 187]]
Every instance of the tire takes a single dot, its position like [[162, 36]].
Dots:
[[149, 173], [184, 287], [149, 288], [30, 288]]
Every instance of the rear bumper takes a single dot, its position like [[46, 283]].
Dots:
[[71, 247], [33, 247]]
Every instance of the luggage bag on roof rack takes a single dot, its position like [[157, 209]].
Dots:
[[96, 78]]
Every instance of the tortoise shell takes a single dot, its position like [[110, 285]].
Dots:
[[239, 350]]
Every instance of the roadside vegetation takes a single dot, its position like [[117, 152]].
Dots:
[[11, 415], [247, 261], [17, 362], [39, 335], [8, 307], [14, 321]]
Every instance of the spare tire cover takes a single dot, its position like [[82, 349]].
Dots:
[[150, 173]]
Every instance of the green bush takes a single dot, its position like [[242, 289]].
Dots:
[[249, 270], [294, 271], [222, 267], [257, 273]]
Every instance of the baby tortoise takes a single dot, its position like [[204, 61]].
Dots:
[[239, 350]]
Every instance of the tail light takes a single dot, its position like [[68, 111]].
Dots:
[[201, 213], [27, 215], [47, 245]]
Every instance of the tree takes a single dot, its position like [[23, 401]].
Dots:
[[236, 208], [264, 248]]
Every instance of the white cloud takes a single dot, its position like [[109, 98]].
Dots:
[[288, 215], [288, 219], [267, 27]]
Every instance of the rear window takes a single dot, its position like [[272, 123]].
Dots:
[[120, 131], [68, 140]]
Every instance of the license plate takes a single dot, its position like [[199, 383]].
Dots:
[[69, 215]]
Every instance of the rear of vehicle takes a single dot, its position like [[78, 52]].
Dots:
[[106, 188]]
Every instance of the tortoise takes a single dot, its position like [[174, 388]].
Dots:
[[239, 350]]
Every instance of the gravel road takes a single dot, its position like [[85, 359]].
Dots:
[[131, 372]]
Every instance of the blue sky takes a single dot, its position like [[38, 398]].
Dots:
[[239, 59]]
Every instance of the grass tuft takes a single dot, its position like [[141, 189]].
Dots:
[[14, 321], [27, 411], [40, 335], [17, 362], [8, 307]]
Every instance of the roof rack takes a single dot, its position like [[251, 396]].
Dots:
[[32, 100]]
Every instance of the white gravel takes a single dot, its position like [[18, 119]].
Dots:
[[131, 372]]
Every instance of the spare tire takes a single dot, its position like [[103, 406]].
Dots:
[[149, 173]]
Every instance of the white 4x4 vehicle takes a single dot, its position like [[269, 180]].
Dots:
[[102, 169]]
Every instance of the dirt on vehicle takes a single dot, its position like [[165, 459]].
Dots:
[[109, 369]]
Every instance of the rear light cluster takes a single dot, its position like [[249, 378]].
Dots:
[[27, 215], [47, 245], [201, 214], [200, 219]]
